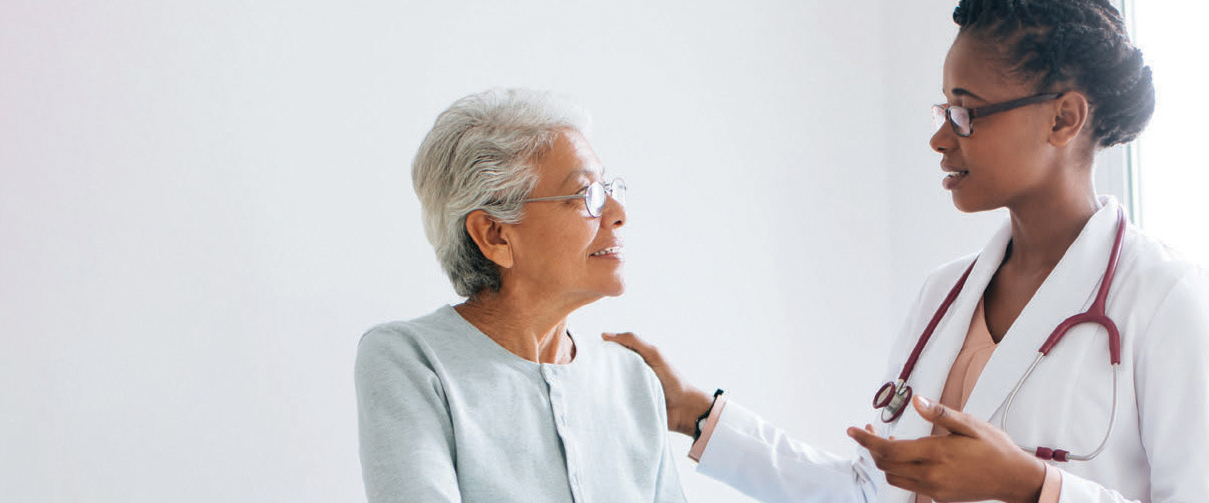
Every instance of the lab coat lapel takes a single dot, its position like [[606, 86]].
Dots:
[[932, 370], [1069, 290]]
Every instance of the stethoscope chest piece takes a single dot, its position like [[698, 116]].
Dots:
[[892, 399]]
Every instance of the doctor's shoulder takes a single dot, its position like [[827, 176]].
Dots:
[[936, 286], [1166, 294], [1151, 269], [942, 278]]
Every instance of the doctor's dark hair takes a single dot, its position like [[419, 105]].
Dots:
[[1064, 45]]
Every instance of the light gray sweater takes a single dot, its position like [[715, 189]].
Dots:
[[447, 415]]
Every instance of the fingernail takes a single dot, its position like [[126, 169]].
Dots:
[[924, 401]]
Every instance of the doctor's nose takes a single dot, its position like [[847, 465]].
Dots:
[[944, 139]]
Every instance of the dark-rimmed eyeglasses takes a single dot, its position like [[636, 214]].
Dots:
[[962, 118], [595, 197]]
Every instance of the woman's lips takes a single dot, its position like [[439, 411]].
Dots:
[[953, 177], [613, 252]]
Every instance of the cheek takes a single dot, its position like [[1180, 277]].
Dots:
[[1004, 156], [558, 242]]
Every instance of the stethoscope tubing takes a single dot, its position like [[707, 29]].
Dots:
[[893, 397], [1059, 454], [932, 324]]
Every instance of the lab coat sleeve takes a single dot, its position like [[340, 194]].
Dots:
[[1172, 387], [761, 461], [406, 435]]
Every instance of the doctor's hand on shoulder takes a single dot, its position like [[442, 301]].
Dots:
[[685, 402], [974, 461]]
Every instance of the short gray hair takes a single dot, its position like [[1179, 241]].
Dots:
[[478, 156]]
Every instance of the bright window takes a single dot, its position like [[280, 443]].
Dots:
[[1170, 171]]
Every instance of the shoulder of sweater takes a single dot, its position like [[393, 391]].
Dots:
[[624, 360], [402, 337]]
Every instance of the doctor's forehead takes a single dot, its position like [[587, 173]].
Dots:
[[961, 92], [973, 69]]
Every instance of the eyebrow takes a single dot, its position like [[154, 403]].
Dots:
[[959, 92], [578, 172]]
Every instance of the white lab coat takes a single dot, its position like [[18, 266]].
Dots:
[[1159, 449]]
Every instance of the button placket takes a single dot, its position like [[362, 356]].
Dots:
[[558, 407]]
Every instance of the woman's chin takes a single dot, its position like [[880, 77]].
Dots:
[[614, 288], [617, 291], [612, 284], [968, 204]]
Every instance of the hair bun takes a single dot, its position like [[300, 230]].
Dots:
[[1070, 44]]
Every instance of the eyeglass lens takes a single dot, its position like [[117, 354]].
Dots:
[[596, 196], [595, 199], [960, 117], [957, 117]]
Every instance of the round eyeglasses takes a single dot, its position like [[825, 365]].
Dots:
[[962, 118], [595, 196]]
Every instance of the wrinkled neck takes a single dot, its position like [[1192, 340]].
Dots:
[[527, 329]]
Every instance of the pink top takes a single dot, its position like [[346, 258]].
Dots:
[[973, 357], [698, 447]]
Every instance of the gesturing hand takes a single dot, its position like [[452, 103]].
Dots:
[[976, 461], [685, 403]]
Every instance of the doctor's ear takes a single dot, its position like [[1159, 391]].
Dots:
[[489, 235], [1071, 115]]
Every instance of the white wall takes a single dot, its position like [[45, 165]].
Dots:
[[204, 204]]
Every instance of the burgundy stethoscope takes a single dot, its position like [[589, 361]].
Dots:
[[893, 397]]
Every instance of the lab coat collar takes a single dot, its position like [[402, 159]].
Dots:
[[1068, 290], [932, 370]]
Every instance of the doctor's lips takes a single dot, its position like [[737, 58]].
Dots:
[[952, 175]]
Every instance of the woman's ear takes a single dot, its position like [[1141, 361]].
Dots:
[[1071, 116], [489, 235]]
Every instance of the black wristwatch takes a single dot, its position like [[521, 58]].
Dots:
[[701, 420]]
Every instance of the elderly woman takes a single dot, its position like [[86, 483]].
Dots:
[[494, 399]]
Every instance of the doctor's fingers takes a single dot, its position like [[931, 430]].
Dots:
[[649, 353], [953, 420], [915, 470], [909, 484], [932, 450], [896, 451], [934, 480]]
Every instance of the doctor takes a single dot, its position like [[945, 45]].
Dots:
[[1034, 88]]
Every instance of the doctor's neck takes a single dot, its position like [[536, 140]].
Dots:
[[1045, 226]]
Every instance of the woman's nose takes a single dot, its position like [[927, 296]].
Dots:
[[944, 139], [614, 213]]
